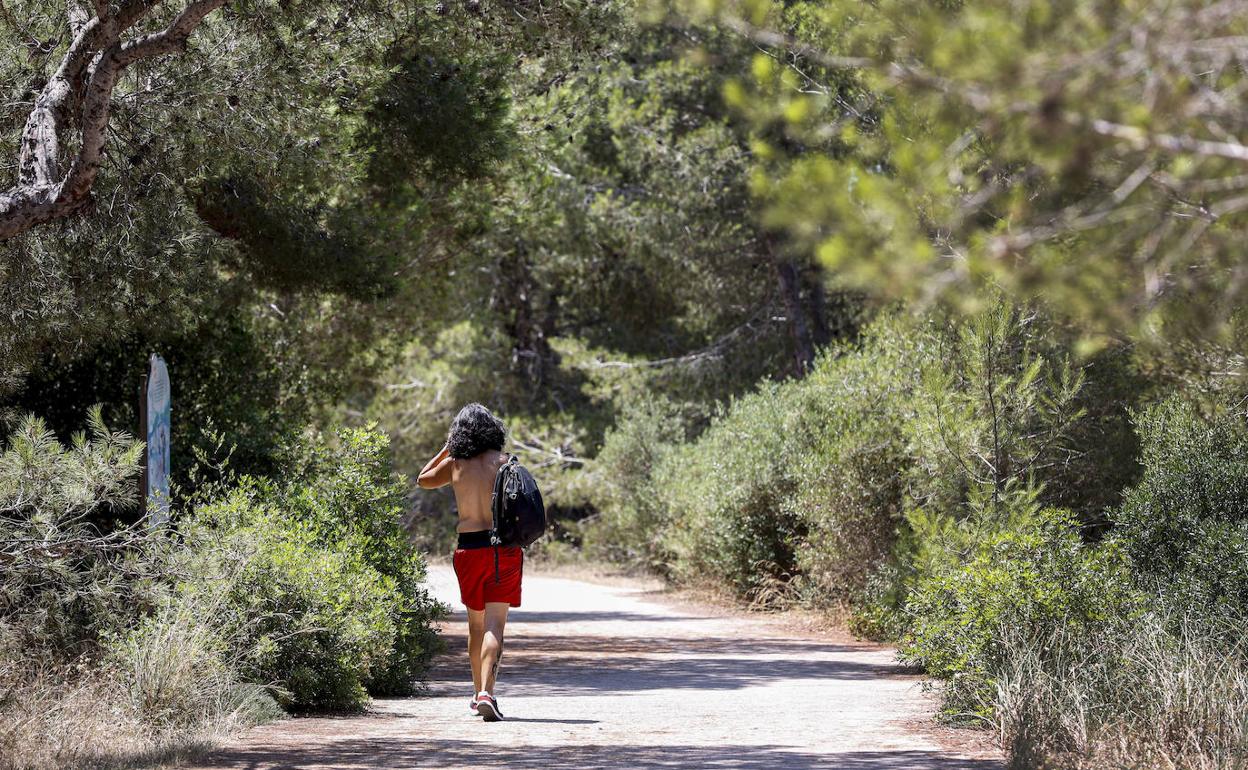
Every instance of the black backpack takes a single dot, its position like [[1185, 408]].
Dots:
[[519, 514]]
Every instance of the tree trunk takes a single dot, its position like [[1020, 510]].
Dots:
[[795, 309], [79, 94], [531, 352], [821, 334]]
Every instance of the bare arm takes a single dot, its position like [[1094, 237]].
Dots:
[[437, 472]]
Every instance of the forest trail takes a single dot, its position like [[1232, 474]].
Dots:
[[621, 676]]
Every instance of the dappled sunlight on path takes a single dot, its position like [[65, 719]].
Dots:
[[615, 676]]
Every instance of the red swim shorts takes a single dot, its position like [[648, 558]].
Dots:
[[477, 585]]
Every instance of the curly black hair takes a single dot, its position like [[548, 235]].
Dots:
[[473, 431]]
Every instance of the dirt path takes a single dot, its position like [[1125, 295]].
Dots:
[[616, 676]]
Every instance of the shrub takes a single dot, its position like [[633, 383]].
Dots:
[[852, 489], [811, 478], [348, 493], [1099, 460], [325, 592], [65, 575], [94, 669], [798, 479], [1031, 582], [728, 494], [313, 622], [996, 406], [884, 469], [632, 513], [988, 427], [1185, 526]]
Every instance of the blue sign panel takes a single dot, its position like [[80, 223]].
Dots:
[[157, 492]]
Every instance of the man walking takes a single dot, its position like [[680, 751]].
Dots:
[[488, 587]]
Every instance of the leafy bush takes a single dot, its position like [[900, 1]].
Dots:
[[326, 592], [728, 494], [798, 479], [1185, 526], [95, 667], [1030, 582], [632, 514], [313, 621], [801, 489], [348, 493], [997, 401], [1098, 459], [852, 491], [987, 430], [65, 577]]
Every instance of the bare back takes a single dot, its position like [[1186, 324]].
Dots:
[[473, 482]]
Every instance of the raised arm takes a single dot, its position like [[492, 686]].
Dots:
[[437, 472]]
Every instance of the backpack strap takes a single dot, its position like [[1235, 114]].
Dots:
[[496, 502], [496, 510]]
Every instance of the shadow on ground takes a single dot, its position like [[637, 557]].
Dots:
[[400, 752], [591, 675], [650, 645], [572, 665], [527, 616]]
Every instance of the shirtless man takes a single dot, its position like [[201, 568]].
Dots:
[[469, 463]]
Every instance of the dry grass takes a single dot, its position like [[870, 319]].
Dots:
[[161, 694], [1152, 694]]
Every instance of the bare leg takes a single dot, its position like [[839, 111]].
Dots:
[[476, 632], [492, 642]]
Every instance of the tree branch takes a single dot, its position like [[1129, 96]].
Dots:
[[171, 39], [915, 74], [85, 79]]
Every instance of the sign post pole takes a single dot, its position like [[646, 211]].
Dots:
[[154, 411]]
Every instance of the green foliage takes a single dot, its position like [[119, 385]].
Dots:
[[727, 493], [631, 505], [801, 477], [1003, 145], [1098, 459], [312, 620], [443, 114], [613, 256], [326, 593], [96, 661], [348, 493], [1185, 526], [988, 430], [67, 577], [244, 386], [303, 587], [270, 205], [852, 489], [889, 463], [993, 413], [151, 257], [1033, 580]]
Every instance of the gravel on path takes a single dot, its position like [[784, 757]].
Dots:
[[622, 676]]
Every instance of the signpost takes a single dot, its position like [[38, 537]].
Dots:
[[154, 410]]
